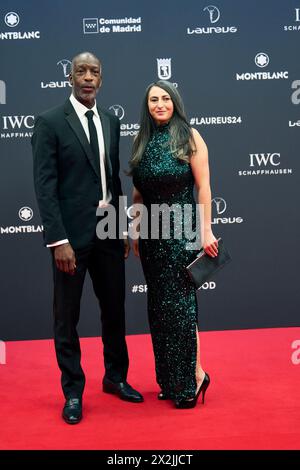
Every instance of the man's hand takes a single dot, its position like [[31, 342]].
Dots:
[[65, 258]]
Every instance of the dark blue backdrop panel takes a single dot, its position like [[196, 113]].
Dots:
[[236, 66]]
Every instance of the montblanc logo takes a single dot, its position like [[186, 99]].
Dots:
[[265, 164], [219, 206], [262, 60], [17, 127], [112, 25], [126, 129], [11, 20], [215, 120], [65, 68], [2, 92], [296, 25], [25, 213], [212, 14]]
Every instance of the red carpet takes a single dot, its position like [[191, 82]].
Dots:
[[252, 402]]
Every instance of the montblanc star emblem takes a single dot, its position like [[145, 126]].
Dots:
[[12, 19], [25, 213]]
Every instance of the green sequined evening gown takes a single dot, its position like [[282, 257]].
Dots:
[[172, 303]]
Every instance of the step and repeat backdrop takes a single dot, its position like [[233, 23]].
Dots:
[[236, 64]]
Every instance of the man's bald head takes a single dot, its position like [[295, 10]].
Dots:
[[85, 57], [85, 78]]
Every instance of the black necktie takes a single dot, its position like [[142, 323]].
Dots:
[[93, 138]]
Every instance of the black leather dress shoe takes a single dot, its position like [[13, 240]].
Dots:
[[123, 390], [72, 411]]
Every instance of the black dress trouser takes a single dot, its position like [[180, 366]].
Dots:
[[104, 260]]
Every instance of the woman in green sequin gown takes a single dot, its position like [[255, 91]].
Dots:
[[169, 158]]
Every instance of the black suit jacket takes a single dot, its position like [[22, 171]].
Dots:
[[67, 181]]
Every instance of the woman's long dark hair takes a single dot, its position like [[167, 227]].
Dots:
[[181, 142]]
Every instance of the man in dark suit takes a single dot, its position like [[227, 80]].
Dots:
[[76, 170]]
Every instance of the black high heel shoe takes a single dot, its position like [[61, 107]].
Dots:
[[163, 396], [192, 403]]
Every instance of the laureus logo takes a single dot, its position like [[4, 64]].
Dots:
[[66, 65], [118, 110], [127, 129], [214, 13], [219, 205]]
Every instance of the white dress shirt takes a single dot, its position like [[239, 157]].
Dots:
[[80, 110]]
